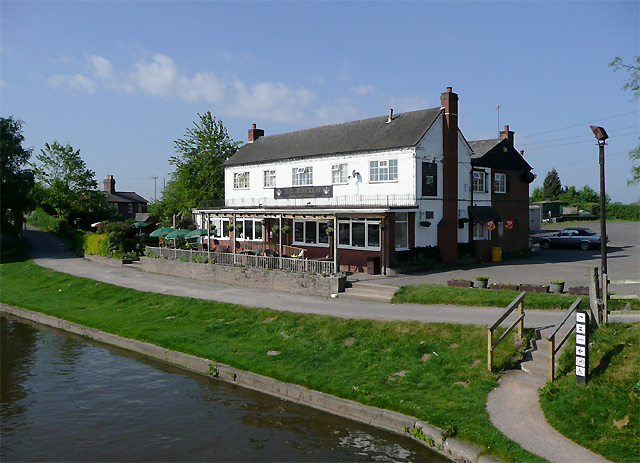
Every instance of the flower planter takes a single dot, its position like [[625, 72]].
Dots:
[[504, 287], [579, 290], [460, 283], [557, 288], [481, 284], [534, 288]]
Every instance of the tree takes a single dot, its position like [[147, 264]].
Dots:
[[199, 173], [537, 195], [632, 85], [16, 181], [551, 186], [69, 187]]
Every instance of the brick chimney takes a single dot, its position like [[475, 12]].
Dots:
[[254, 133], [109, 184], [448, 230], [508, 134]]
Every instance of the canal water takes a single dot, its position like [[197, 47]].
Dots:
[[64, 398]]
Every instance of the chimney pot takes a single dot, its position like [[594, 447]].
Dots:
[[255, 133], [253, 126], [449, 89]]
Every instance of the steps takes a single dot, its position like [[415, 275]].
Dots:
[[369, 291]]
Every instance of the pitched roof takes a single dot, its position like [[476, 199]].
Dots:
[[497, 153], [124, 197], [405, 129]]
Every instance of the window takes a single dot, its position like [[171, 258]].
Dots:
[[359, 233], [402, 230], [383, 171], [219, 227], [500, 183], [269, 179], [478, 231], [310, 232], [241, 181], [302, 176], [479, 181], [251, 229], [139, 207], [338, 173], [130, 208], [429, 179]]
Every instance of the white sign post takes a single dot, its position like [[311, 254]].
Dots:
[[582, 347]]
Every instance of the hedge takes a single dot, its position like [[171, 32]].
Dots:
[[95, 244]]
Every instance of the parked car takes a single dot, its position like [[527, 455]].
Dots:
[[584, 238]]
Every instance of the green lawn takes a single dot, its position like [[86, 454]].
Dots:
[[433, 371], [604, 416], [439, 294]]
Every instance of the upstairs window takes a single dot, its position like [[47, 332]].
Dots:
[[241, 181], [500, 183], [383, 171], [269, 179], [338, 173], [479, 180], [429, 179], [302, 176]]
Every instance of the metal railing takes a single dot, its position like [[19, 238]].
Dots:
[[517, 302], [290, 264], [553, 349], [393, 200]]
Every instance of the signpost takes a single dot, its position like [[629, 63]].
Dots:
[[582, 347]]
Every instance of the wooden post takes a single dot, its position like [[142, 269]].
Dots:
[[552, 363], [605, 298], [490, 348], [594, 294], [521, 323]]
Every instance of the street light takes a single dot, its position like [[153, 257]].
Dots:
[[601, 136]]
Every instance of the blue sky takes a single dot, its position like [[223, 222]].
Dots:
[[122, 80]]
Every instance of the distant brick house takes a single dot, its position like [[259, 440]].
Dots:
[[127, 203]]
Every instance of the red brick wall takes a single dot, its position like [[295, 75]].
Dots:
[[448, 232], [512, 205]]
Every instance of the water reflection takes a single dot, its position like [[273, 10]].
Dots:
[[65, 399]]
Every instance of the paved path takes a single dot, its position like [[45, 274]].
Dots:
[[523, 422]]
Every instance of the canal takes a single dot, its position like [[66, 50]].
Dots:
[[64, 398]]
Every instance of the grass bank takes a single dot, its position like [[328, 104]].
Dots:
[[435, 372], [604, 416], [438, 294]]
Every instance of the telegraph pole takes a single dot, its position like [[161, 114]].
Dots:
[[601, 136], [155, 197]]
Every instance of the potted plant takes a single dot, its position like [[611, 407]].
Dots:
[[329, 230], [425, 223], [286, 228], [462, 221], [557, 286], [483, 281], [460, 283]]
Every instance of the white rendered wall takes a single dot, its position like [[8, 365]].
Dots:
[[464, 187]]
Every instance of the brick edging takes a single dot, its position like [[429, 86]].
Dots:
[[456, 449]]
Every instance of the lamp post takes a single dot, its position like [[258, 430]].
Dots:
[[601, 136]]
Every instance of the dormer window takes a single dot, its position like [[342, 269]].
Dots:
[[302, 176]]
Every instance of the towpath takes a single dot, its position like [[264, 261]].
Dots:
[[513, 406]]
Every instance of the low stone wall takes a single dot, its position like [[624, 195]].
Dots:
[[291, 282], [104, 260]]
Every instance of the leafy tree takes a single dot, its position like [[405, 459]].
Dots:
[[199, 173], [16, 181], [68, 187], [537, 195], [551, 186], [633, 85]]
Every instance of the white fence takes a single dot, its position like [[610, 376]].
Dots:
[[290, 264]]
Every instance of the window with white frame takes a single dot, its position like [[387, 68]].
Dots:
[[500, 183], [359, 233], [338, 173], [479, 230], [385, 170], [310, 232], [302, 176], [219, 227], [479, 180], [241, 180], [251, 229], [269, 179], [402, 230]]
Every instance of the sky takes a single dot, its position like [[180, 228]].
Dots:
[[122, 80]]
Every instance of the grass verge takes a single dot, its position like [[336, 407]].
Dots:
[[438, 294], [604, 416], [435, 372]]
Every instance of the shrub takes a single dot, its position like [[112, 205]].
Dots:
[[42, 219], [95, 244], [619, 211]]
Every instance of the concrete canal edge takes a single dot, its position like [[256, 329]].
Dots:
[[455, 449]]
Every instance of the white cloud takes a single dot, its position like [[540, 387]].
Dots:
[[73, 82], [408, 103], [224, 54], [102, 67], [362, 90], [272, 100], [203, 85], [158, 77], [3, 84]]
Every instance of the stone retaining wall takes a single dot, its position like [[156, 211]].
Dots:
[[291, 282]]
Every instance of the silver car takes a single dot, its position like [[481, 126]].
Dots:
[[574, 237]]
